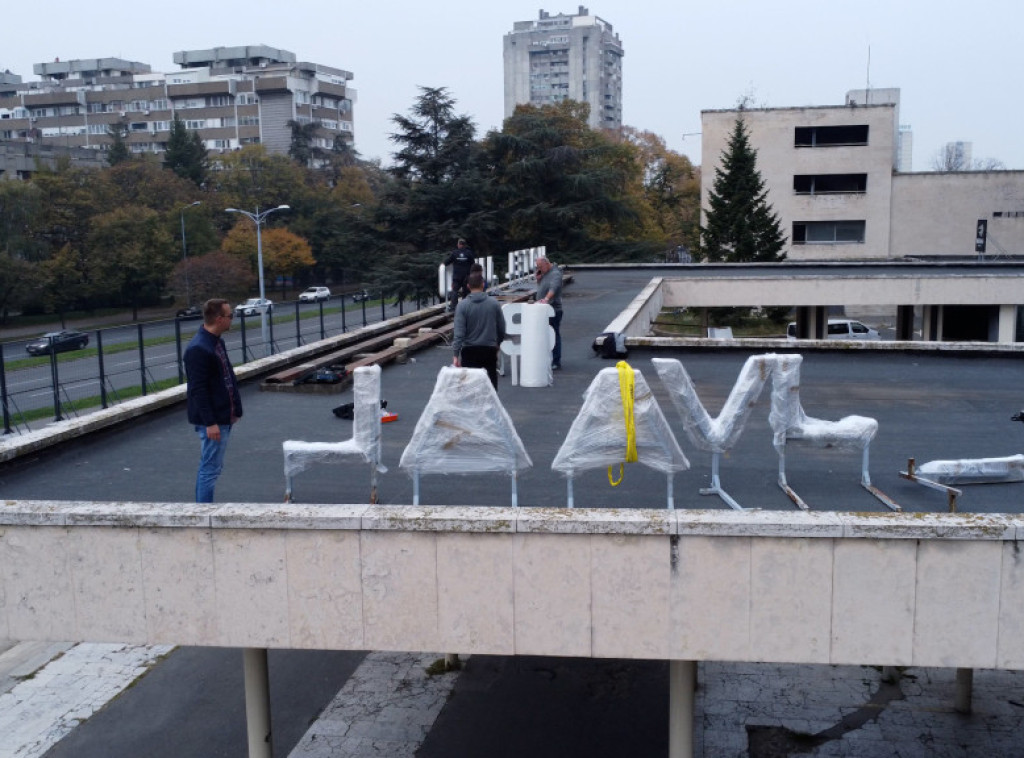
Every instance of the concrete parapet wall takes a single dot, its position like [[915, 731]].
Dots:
[[699, 292], [636, 319], [835, 588]]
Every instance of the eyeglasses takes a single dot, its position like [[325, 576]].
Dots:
[[229, 315]]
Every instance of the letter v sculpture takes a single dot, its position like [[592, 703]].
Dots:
[[716, 435]]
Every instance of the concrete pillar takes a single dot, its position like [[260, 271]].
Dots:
[[931, 323], [964, 690], [804, 319], [905, 322], [682, 680], [820, 322], [811, 322], [257, 702], [1007, 323]]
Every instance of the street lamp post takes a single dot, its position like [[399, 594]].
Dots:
[[184, 252], [258, 218]]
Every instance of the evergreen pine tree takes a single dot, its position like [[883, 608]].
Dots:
[[741, 225], [186, 155], [303, 149], [437, 187], [118, 152]]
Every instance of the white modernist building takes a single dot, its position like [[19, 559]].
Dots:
[[834, 177], [560, 57]]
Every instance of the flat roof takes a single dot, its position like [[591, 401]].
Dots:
[[928, 407]]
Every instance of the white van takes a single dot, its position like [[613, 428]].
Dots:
[[841, 329]]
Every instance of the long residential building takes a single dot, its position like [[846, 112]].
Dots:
[[833, 175], [231, 96], [559, 57]]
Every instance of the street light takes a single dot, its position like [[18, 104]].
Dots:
[[258, 218], [184, 252]]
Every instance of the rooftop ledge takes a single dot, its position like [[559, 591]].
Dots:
[[525, 520]]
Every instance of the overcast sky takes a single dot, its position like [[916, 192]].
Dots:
[[958, 65]]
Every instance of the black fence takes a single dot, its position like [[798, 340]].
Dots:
[[44, 380]]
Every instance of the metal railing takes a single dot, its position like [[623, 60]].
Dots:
[[121, 362]]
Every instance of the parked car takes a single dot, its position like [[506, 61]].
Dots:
[[60, 342], [254, 305], [315, 294], [192, 311], [841, 329], [358, 297]]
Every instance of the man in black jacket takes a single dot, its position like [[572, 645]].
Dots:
[[214, 403], [461, 260]]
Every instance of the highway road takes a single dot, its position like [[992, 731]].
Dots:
[[114, 360]]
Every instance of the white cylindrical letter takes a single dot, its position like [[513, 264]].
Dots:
[[535, 349]]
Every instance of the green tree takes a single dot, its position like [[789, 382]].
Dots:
[[216, 274], [134, 254], [143, 182], [558, 183], [340, 230], [340, 158], [434, 143], [740, 225], [69, 198], [118, 152], [407, 275], [251, 178], [62, 281], [284, 254], [436, 190], [18, 280], [670, 189], [20, 204], [303, 148], [342, 151], [186, 155]]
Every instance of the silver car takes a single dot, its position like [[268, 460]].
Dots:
[[841, 329], [315, 294]]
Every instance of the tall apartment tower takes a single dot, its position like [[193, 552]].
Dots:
[[554, 58], [957, 156]]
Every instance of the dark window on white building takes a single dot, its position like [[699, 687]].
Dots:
[[831, 136], [828, 232], [830, 184]]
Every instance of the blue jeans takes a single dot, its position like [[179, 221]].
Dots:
[[211, 462], [556, 353]]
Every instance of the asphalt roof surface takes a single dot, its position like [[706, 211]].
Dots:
[[929, 406]]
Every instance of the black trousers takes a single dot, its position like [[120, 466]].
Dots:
[[458, 291], [481, 356]]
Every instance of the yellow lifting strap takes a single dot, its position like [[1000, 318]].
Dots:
[[627, 387]]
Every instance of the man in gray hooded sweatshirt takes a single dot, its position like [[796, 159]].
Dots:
[[479, 330]]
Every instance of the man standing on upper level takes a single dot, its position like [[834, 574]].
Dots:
[[461, 260], [549, 290], [214, 403]]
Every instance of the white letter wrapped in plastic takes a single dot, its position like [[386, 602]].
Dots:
[[464, 430], [598, 435], [365, 441]]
